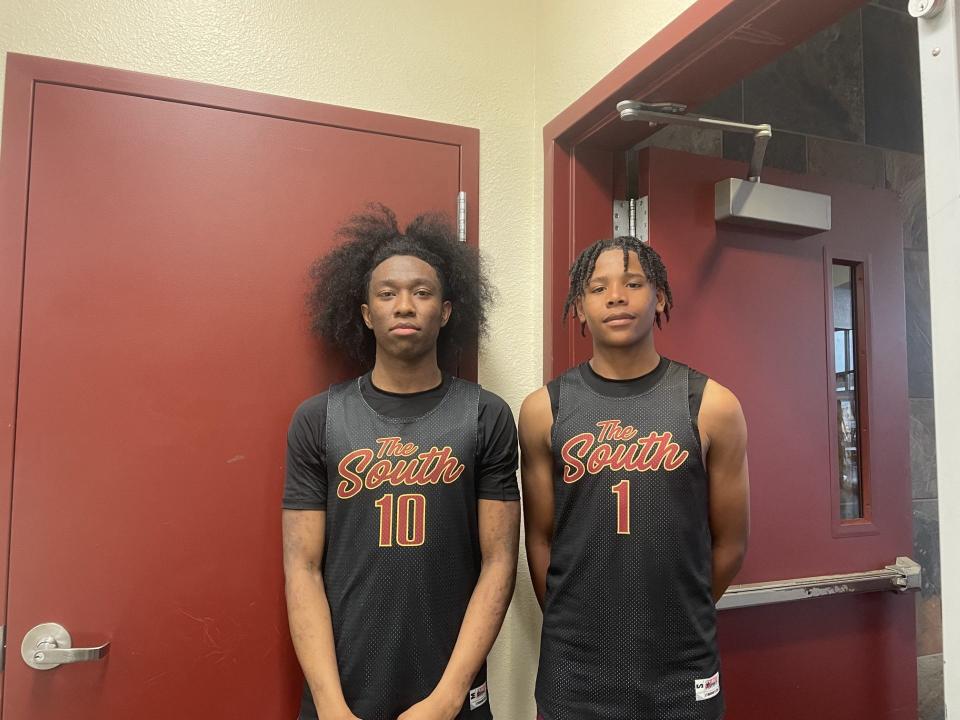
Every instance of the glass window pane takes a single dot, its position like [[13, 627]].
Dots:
[[845, 340]]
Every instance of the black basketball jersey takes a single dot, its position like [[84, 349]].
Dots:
[[629, 618], [402, 551]]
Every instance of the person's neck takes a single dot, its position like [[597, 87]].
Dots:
[[625, 363], [398, 375]]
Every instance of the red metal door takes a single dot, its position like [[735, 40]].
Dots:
[[164, 346], [754, 310]]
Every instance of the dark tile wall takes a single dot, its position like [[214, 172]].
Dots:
[[926, 544], [786, 151], [857, 81], [814, 89], [687, 139], [904, 173], [930, 683], [891, 80], [923, 459], [926, 534], [727, 105], [897, 5], [920, 352], [853, 163]]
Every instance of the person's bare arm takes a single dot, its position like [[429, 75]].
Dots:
[[536, 474], [499, 528], [309, 612], [724, 432]]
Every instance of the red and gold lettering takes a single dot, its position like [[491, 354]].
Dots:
[[622, 491], [411, 520], [595, 452], [397, 463], [351, 481]]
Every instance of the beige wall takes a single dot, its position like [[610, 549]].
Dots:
[[503, 67]]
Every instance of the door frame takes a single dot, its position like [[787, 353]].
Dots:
[[23, 74], [703, 51]]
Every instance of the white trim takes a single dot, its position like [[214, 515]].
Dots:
[[940, 79]]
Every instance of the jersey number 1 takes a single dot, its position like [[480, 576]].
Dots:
[[411, 518], [622, 491]]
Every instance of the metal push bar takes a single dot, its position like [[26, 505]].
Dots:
[[902, 576]]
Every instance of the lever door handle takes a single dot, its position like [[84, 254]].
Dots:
[[49, 645]]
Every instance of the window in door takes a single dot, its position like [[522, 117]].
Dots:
[[848, 356]]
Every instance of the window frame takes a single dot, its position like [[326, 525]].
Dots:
[[860, 264]]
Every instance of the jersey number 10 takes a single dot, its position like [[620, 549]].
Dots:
[[411, 518]]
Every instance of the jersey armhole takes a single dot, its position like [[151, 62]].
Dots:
[[696, 384], [334, 402], [553, 390], [477, 440]]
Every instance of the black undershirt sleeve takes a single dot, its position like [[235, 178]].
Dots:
[[497, 454], [305, 483]]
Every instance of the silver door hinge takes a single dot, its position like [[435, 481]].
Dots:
[[462, 216], [631, 217], [3, 647]]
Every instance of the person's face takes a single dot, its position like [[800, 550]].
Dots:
[[405, 307], [619, 305]]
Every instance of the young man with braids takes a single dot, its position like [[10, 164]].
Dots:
[[635, 507], [401, 513]]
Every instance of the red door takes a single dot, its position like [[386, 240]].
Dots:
[[164, 346], [763, 314]]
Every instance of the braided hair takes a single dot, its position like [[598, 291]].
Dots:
[[341, 279], [586, 263]]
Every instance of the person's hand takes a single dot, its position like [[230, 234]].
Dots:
[[344, 714], [433, 707]]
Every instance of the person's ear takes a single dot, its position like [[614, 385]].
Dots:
[[661, 300], [445, 311], [365, 312], [581, 316]]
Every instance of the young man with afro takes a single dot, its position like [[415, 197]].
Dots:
[[401, 507], [635, 501]]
